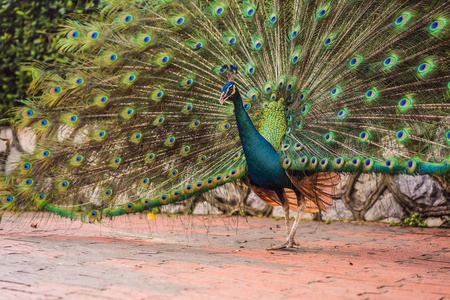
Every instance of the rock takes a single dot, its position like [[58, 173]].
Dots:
[[205, 208], [173, 208], [5, 134], [434, 222], [278, 212], [308, 216], [27, 140], [421, 189], [363, 187], [256, 203], [384, 207], [229, 191], [337, 212], [391, 219], [14, 148]]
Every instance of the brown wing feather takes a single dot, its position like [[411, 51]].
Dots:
[[319, 188], [292, 198], [271, 198], [266, 195]]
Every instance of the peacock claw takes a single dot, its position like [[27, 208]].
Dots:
[[296, 246], [288, 244], [279, 246]]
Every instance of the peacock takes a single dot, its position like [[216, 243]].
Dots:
[[160, 100]]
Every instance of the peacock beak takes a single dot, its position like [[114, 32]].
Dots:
[[223, 98]]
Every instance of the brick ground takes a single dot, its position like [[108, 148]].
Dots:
[[220, 257]]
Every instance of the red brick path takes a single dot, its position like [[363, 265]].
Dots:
[[220, 257]]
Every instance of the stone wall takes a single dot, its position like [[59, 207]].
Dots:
[[361, 196]]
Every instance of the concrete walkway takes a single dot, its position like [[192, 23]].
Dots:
[[219, 257]]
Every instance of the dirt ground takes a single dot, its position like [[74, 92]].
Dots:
[[219, 257]]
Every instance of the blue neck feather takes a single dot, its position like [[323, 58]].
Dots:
[[263, 161]]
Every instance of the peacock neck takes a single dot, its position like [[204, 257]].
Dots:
[[247, 131], [262, 160]]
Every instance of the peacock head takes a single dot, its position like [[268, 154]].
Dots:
[[229, 90]]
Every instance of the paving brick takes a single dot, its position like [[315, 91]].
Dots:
[[220, 257]]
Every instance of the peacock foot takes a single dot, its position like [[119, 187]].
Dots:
[[287, 244]]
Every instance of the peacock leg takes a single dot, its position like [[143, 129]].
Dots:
[[285, 205], [301, 207], [286, 217], [300, 212]]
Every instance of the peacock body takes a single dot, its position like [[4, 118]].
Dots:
[[133, 120]]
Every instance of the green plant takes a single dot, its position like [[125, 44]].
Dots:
[[415, 220], [28, 33]]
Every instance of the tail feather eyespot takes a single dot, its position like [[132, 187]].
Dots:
[[73, 34], [126, 19], [25, 167], [93, 35], [107, 193], [368, 164], [76, 160], [164, 198], [144, 39], [150, 157], [218, 10], [303, 161], [329, 137], [8, 200], [170, 141], [339, 163], [27, 182], [136, 137], [199, 185], [115, 162], [111, 58], [144, 182], [437, 25], [296, 57], [323, 163], [129, 207], [286, 163], [178, 20], [201, 159], [411, 166], [176, 194], [127, 113], [94, 216], [173, 173], [63, 185], [157, 95], [55, 90]]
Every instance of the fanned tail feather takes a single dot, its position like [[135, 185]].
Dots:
[[132, 120]]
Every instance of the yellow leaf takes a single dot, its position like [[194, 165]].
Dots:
[[151, 216]]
